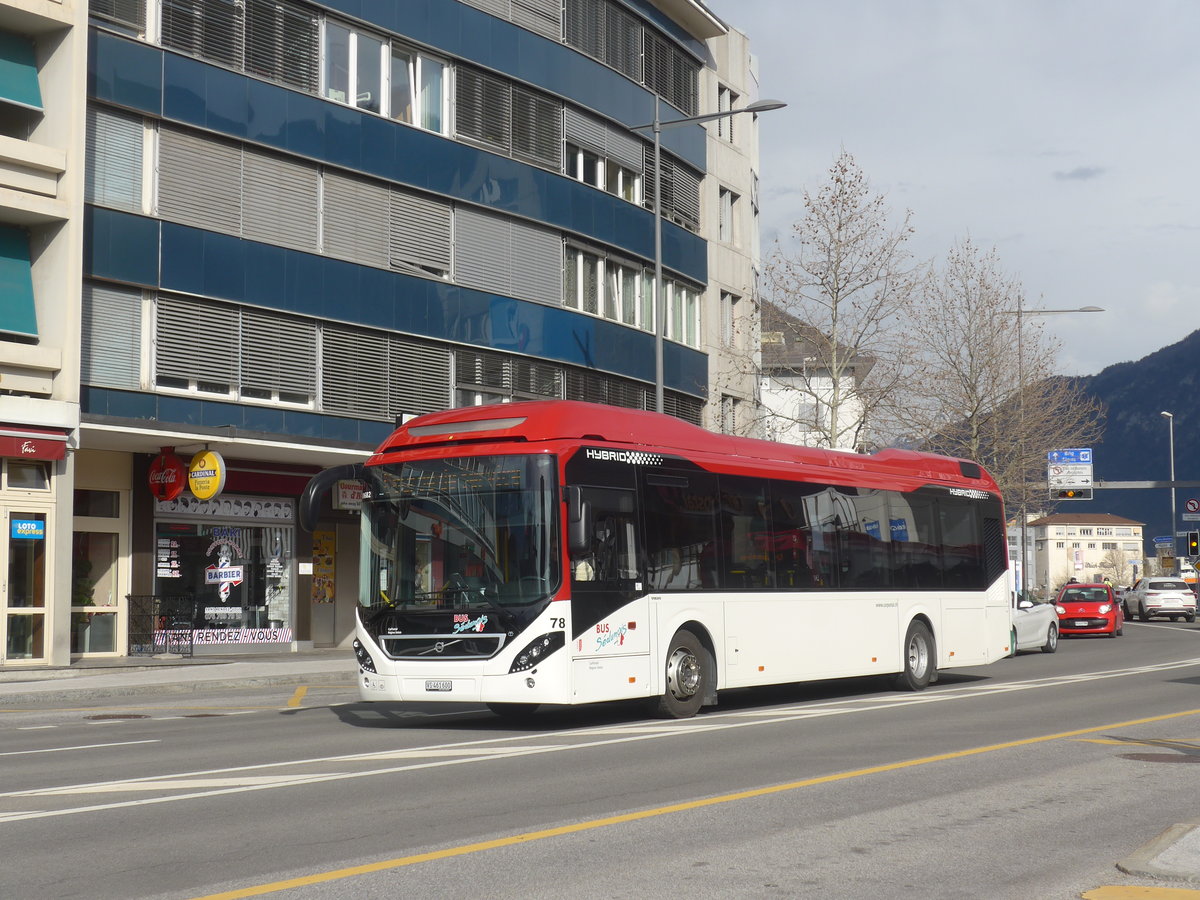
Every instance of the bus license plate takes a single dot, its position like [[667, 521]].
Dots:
[[439, 685]]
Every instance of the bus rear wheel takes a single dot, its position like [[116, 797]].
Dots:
[[687, 677], [920, 661]]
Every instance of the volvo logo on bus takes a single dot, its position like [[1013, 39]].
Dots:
[[633, 457]]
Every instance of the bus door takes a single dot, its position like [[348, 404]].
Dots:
[[604, 567]]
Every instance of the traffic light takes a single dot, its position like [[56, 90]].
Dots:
[[1193, 543], [1071, 494]]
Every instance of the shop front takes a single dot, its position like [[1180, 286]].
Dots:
[[225, 571]]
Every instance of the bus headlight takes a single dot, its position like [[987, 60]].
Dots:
[[364, 658], [537, 650]]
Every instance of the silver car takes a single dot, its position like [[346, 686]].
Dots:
[[1161, 596]]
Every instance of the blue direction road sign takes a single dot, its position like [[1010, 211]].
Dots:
[[1163, 539], [1075, 455]]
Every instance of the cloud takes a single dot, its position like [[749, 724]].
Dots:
[[1080, 173]]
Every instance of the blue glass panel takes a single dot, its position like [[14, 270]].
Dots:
[[184, 90], [131, 405], [182, 258], [263, 418], [342, 135], [179, 410], [226, 97], [18, 72], [378, 145], [125, 72], [120, 246], [304, 284], [224, 266], [266, 271], [18, 312], [305, 125], [266, 114]]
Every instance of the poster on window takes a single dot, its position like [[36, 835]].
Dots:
[[324, 544]]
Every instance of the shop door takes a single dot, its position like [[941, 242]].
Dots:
[[25, 570]]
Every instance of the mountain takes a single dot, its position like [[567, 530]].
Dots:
[[1136, 441]]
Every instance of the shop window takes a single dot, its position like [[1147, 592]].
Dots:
[[234, 558], [24, 475], [101, 504], [93, 632]]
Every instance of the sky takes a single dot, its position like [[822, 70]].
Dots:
[[1065, 134]]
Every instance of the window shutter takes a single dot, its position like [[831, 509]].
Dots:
[[536, 378], [123, 12], [537, 128], [199, 181], [355, 219], [624, 148], [542, 17], [486, 370], [538, 275], [112, 337], [499, 8], [420, 232], [622, 41], [278, 353], [483, 109], [354, 374], [585, 131], [686, 189], [196, 340], [482, 257], [282, 43], [113, 163], [583, 26], [280, 201], [420, 377], [210, 29]]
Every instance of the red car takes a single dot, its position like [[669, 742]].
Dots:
[[1089, 609]]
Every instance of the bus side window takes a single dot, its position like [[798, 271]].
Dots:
[[608, 558]]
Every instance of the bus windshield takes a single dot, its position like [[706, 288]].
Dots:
[[472, 532]]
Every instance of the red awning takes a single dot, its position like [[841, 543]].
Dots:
[[32, 443]]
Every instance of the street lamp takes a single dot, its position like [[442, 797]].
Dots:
[[1170, 417], [1021, 312], [659, 300]]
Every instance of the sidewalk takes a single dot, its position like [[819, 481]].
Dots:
[[133, 676]]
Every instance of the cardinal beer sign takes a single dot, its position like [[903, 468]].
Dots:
[[168, 475]]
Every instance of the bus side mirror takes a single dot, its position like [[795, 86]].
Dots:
[[315, 490], [579, 521]]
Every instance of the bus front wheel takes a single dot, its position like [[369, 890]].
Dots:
[[918, 657], [687, 674]]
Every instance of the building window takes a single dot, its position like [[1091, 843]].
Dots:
[[1108, 545], [726, 211], [729, 319], [726, 102], [1061, 545]]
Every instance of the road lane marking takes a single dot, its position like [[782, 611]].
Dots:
[[80, 747], [298, 696], [1134, 892], [607, 821]]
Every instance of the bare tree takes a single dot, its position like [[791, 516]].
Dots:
[[984, 386], [834, 297]]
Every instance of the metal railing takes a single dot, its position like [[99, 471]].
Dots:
[[162, 625]]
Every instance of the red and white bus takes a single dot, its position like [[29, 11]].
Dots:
[[557, 552]]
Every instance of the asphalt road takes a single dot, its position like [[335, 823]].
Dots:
[[1026, 779]]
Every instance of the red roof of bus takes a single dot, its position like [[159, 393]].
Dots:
[[571, 420]]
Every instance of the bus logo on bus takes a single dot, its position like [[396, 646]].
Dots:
[[633, 457]]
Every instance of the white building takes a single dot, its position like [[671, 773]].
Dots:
[[1085, 546], [796, 387]]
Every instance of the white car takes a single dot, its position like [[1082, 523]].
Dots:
[[1035, 626], [1161, 596]]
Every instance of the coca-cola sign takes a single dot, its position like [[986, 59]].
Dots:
[[168, 475]]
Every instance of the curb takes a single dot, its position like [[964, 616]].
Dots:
[[60, 693], [1163, 857]]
